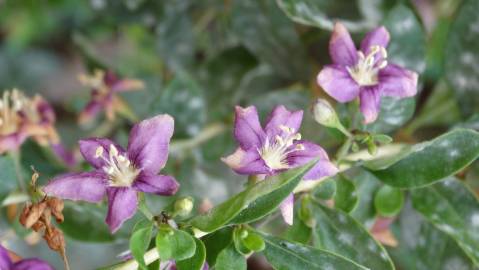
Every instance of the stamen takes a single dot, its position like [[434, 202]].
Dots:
[[99, 152], [365, 72], [275, 153]]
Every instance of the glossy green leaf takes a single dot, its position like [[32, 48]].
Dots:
[[356, 15], [432, 161], [325, 190], [273, 188], [268, 34], [366, 186], [196, 262], [180, 93], [388, 201], [217, 241], [230, 259], [340, 233], [238, 234], [423, 247], [80, 218], [140, 240], [346, 197], [174, 244], [299, 231], [462, 56], [283, 254], [254, 242], [453, 209]]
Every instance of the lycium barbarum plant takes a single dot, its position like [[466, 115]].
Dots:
[[340, 180]]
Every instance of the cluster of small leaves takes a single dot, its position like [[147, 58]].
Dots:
[[200, 58]]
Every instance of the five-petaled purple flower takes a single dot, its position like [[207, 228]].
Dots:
[[6, 263], [104, 88], [364, 73], [276, 148], [121, 174]]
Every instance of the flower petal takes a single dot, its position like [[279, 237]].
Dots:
[[122, 205], [127, 85], [88, 148], [336, 81], [12, 141], [323, 168], [149, 142], [396, 81], [31, 264], [246, 162], [90, 111], [156, 184], [287, 209], [280, 116], [309, 152], [5, 261], [247, 128], [341, 47], [369, 103], [377, 37], [85, 186], [64, 154]]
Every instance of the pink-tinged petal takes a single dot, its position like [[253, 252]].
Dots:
[[5, 261], [127, 85], [247, 128], [122, 205], [341, 47], [64, 154], [157, 184], [45, 110], [12, 142], [31, 264], [90, 111], [396, 81], [149, 142], [280, 116], [323, 168], [309, 152], [369, 103], [89, 147], [377, 37], [85, 186], [287, 209], [246, 162], [336, 81]]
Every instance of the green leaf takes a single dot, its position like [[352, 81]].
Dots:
[[180, 92], [346, 197], [174, 244], [283, 254], [216, 242], [230, 259], [140, 240], [388, 201], [273, 188], [8, 177], [269, 35], [80, 218], [366, 185], [299, 231], [432, 161], [238, 234], [254, 242], [196, 262], [340, 233], [453, 209], [461, 57], [325, 190]]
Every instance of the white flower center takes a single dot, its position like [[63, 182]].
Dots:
[[95, 81], [120, 170], [275, 152], [11, 104], [365, 72]]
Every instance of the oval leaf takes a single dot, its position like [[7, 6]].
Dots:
[[283, 254], [432, 161], [196, 262], [140, 240], [346, 197], [230, 259], [225, 212], [174, 244], [388, 201], [340, 233], [453, 209]]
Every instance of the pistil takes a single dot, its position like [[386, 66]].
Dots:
[[118, 167], [275, 152], [365, 72]]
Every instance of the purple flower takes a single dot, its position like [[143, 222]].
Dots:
[[6, 263], [105, 86], [171, 265], [364, 73], [276, 148], [121, 174]]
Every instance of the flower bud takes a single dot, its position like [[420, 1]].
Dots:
[[324, 113], [183, 206]]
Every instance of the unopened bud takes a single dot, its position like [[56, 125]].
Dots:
[[324, 113], [183, 206]]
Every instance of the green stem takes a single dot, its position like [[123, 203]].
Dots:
[[344, 149], [18, 169], [144, 208]]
